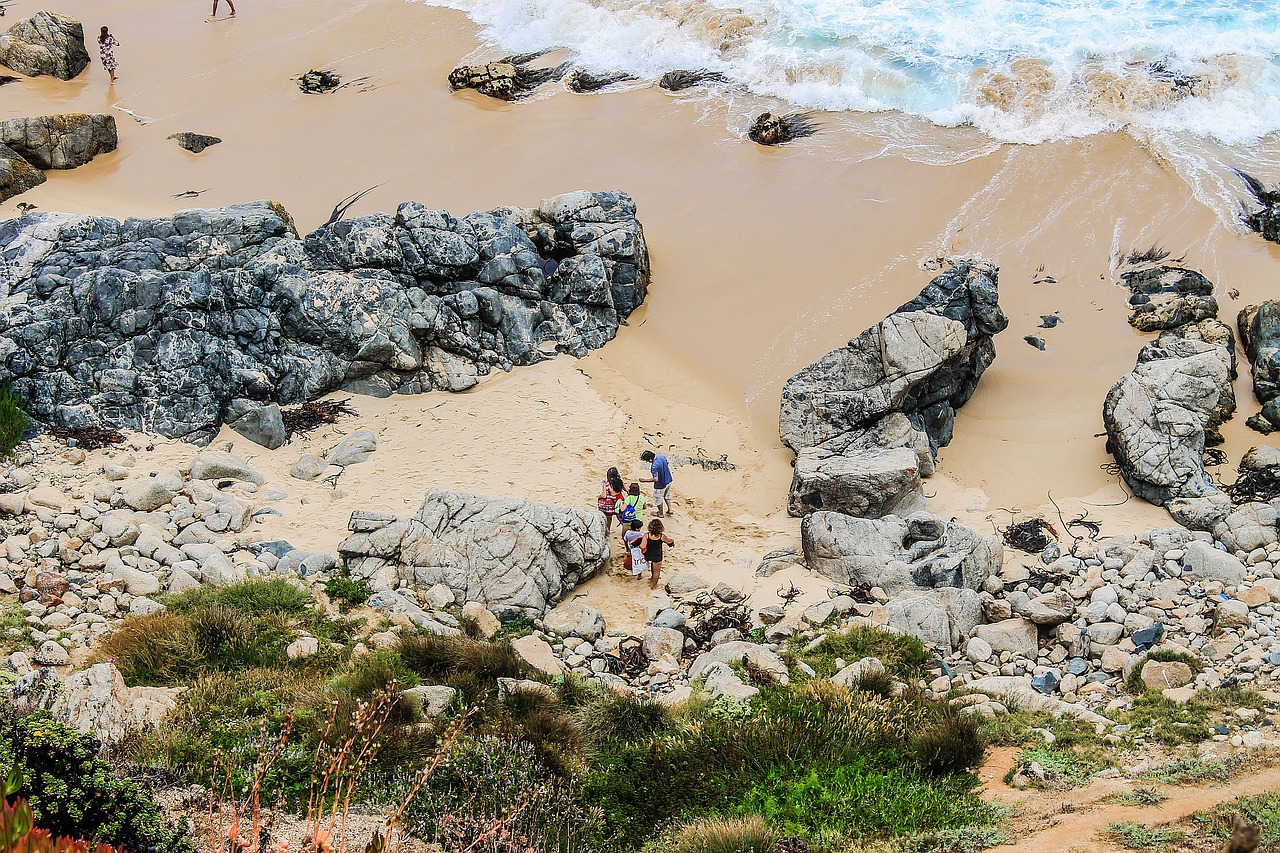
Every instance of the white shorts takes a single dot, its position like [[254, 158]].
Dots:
[[662, 495]]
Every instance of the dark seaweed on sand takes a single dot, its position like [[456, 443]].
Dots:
[[88, 438], [300, 420], [676, 81], [1031, 536], [1262, 484], [769, 129]]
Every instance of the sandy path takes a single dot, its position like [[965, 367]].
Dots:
[[1073, 821]]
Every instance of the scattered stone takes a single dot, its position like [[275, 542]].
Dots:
[[195, 143], [538, 654]]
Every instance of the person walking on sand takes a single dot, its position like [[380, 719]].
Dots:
[[229, 3], [652, 544], [635, 555], [107, 50], [611, 491], [631, 507], [661, 480]]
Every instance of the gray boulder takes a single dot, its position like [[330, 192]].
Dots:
[[923, 361], [60, 141], [516, 557], [1017, 636], [262, 425], [45, 43], [221, 465], [97, 702], [737, 651], [1156, 418], [921, 551], [16, 174], [1204, 562], [576, 620], [865, 483], [1260, 336], [941, 618], [354, 449], [176, 318]]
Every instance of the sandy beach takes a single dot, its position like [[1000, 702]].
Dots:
[[763, 259]]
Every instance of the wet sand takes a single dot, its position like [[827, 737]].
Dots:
[[763, 259]]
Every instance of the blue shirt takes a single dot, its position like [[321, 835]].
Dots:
[[661, 472]]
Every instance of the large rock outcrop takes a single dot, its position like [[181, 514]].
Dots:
[[16, 174], [516, 557], [62, 141], [45, 43], [174, 324], [921, 551], [1160, 416], [896, 385], [1260, 334]]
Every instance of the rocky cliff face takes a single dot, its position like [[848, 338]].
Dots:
[[176, 324]]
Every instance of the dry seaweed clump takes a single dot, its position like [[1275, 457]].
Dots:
[[299, 420], [319, 82]]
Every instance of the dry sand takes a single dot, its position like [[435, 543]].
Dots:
[[763, 260]]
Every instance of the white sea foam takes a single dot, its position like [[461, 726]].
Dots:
[[1020, 70]]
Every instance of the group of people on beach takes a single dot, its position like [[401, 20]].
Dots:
[[107, 43], [627, 504]]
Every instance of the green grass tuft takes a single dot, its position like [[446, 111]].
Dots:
[[14, 421]]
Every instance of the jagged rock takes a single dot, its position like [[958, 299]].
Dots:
[[1159, 675], [51, 654], [660, 642], [262, 425], [486, 623], [434, 699], [16, 174], [854, 672], [684, 583], [194, 142], [96, 701], [354, 449], [221, 465], [1156, 418], [722, 681], [1017, 636], [1260, 337], [178, 317], [516, 557], [1019, 691], [921, 551], [507, 79], [576, 620], [394, 603], [45, 43], [1248, 526], [1202, 561], [535, 652], [59, 141], [735, 652], [941, 618], [308, 467], [867, 483], [923, 361]]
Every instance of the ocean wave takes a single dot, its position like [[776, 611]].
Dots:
[[1024, 71]]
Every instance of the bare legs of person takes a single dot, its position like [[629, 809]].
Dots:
[[656, 568], [112, 72], [229, 3]]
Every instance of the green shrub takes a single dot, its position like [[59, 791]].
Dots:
[[75, 793], [14, 422], [1141, 795], [219, 629], [901, 654], [946, 741], [1196, 770], [438, 658], [1260, 810], [347, 593], [617, 718], [1157, 717], [1063, 768], [1138, 837], [720, 835], [1134, 682]]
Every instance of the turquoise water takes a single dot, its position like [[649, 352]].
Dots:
[[1019, 70]]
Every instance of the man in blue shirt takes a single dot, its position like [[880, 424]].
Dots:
[[661, 480]]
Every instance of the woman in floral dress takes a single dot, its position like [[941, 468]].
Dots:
[[107, 48]]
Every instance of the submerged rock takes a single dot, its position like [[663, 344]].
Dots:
[[162, 324], [46, 43], [507, 79], [770, 129], [194, 142]]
